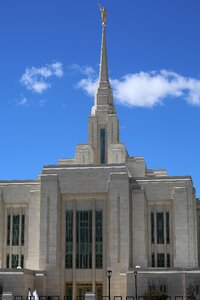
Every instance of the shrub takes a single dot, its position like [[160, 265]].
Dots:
[[154, 295]]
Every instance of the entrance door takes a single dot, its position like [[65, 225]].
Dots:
[[82, 289]]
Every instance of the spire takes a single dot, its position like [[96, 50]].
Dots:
[[104, 97], [103, 74], [104, 146]]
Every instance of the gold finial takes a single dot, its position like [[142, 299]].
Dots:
[[103, 15]]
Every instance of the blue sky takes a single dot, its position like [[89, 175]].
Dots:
[[49, 65]]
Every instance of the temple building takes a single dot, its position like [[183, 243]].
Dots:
[[102, 210]]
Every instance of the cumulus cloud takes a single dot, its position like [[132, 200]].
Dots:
[[38, 79], [89, 85], [147, 89]]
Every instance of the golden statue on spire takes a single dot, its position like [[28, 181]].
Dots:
[[103, 15]]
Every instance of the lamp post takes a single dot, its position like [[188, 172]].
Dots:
[[135, 275], [109, 274]]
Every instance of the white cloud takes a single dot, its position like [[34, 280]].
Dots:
[[85, 70], [89, 85], [147, 89], [37, 79]]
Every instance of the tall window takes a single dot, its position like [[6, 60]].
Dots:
[[168, 260], [162, 228], [8, 229], [152, 228], [22, 230], [167, 228], [99, 239], [15, 231], [161, 260], [160, 235], [153, 260], [102, 146], [84, 239], [69, 239], [16, 224]]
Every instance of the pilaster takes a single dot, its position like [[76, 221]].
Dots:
[[50, 244]]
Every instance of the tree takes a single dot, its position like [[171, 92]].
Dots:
[[190, 292]]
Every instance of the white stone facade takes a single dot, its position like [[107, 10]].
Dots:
[[148, 219]]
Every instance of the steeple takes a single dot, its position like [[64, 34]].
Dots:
[[103, 74], [104, 97], [103, 145]]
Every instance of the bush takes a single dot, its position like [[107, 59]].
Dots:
[[154, 295]]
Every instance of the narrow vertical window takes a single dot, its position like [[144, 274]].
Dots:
[[161, 260], [15, 231], [22, 230], [168, 260], [84, 239], [152, 228], [99, 239], [102, 146], [152, 259], [167, 228], [22, 261], [15, 260], [160, 228], [7, 260], [8, 229], [69, 239]]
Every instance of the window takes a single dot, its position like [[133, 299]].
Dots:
[[99, 239], [8, 230], [152, 228], [161, 262], [15, 230], [83, 227], [7, 260], [167, 228], [22, 261], [17, 223], [168, 260], [160, 228], [84, 239], [102, 146], [15, 261], [161, 259], [22, 229], [153, 260], [69, 239]]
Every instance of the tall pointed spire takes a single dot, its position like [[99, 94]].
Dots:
[[104, 97], [103, 74], [104, 146]]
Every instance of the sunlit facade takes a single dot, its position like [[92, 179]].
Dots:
[[101, 210]]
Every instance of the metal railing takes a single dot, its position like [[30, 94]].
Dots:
[[57, 297]]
